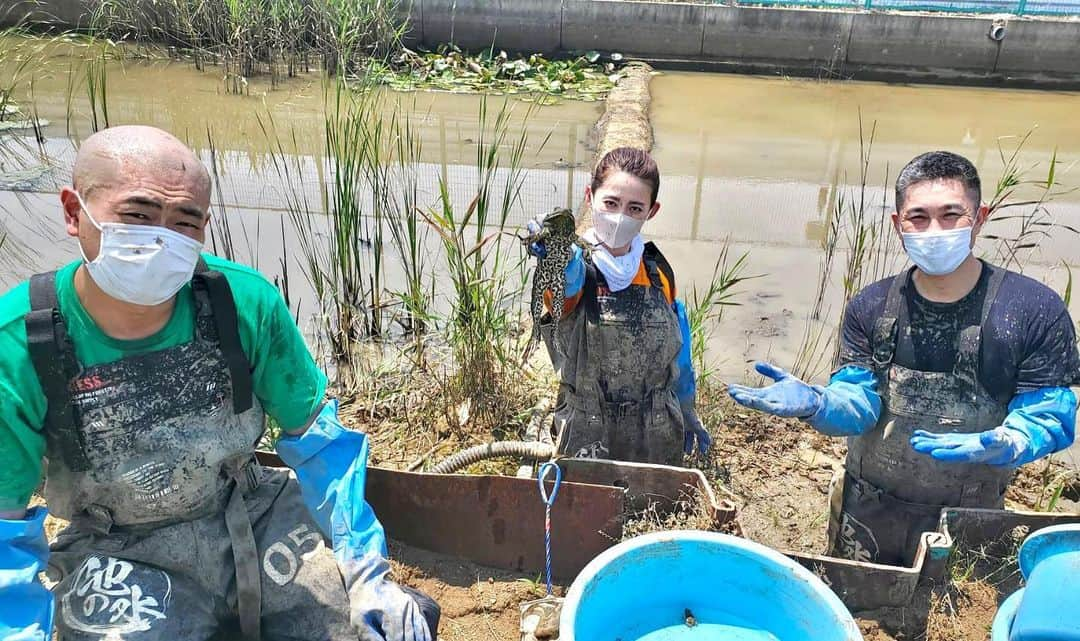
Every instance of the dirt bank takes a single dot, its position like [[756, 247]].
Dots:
[[625, 122]]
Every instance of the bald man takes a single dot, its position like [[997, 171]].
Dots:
[[143, 373]]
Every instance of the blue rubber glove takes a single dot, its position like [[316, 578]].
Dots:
[[1040, 422], [1047, 416], [331, 467], [379, 608], [850, 403], [787, 397], [26, 607], [537, 249], [327, 459], [685, 386], [694, 433], [999, 446], [382, 610]]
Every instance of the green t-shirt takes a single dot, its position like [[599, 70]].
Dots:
[[286, 379]]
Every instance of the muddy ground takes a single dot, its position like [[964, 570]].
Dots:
[[780, 470]]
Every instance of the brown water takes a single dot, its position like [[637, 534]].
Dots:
[[194, 106], [753, 160]]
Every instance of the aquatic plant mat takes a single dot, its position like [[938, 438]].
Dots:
[[587, 77]]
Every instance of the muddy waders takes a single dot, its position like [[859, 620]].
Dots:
[[616, 394], [891, 494], [175, 529]]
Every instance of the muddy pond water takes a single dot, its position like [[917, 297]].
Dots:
[[759, 163]]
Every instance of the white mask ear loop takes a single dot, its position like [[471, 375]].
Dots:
[[101, 231], [86, 210]]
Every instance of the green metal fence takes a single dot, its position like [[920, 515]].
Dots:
[[1014, 7]]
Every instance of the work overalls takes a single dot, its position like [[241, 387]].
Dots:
[[617, 376], [174, 527], [890, 493]]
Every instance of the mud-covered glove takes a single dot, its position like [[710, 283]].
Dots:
[[330, 463], [379, 608], [787, 397], [694, 433], [999, 446], [537, 249]]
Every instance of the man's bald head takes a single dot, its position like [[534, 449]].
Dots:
[[119, 156], [135, 176]]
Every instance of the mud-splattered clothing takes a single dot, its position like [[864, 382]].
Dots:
[[619, 375], [1029, 341], [285, 378], [890, 493], [176, 531]]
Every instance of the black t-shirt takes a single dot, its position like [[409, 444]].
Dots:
[[1028, 343]]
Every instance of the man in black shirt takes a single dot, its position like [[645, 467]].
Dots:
[[951, 375]]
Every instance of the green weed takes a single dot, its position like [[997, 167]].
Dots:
[[706, 308], [1031, 196]]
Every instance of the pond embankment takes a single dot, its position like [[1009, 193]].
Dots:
[[987, 49]]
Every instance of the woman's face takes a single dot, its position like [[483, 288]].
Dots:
[[623, 193]]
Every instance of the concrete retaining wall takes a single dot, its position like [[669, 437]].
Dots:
[[1051, 46], [881, 39], [848, 44], [812, 38], [672, 28]]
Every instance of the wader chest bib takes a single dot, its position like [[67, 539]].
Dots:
[[153, 438], [616, 393], [891, 494], [151, 458]]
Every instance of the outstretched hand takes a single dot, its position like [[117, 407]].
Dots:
[[787, 397]]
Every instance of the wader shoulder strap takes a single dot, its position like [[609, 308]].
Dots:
[[54, 361], [588, 294], [656, 264], [886, 328], [227, 324], [969, 343]]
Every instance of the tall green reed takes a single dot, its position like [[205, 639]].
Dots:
[[97, 89], [254, 37], [14, 67], [408, 234], [860, 231], [486, 275], [1015, 189], [366, 199], [462, 299], [706, 308]]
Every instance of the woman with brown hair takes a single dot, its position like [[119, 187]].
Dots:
[[626, 388]]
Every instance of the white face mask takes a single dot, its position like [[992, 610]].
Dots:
[[141, 264], [938, 252], [614, 229]]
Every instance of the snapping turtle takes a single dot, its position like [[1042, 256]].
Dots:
[[558, 234]]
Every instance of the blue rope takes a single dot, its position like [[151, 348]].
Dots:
[[548, 502]]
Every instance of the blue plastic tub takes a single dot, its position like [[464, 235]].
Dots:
[[1048, 608], [700, 586]]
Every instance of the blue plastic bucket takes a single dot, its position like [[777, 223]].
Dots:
[[698, 586], [1048, 608]]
